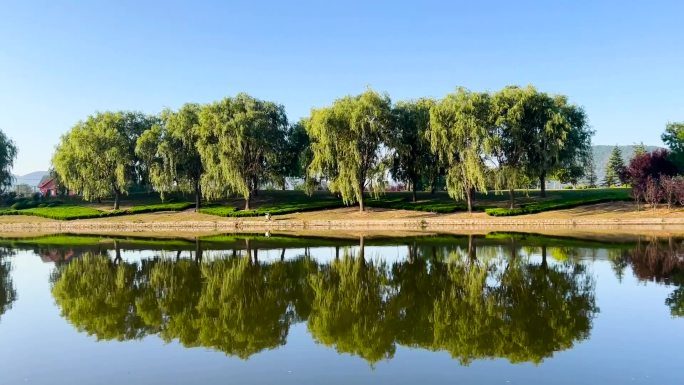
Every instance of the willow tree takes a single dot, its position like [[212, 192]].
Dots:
[[346, 140], [238, 143], [94, 158], [170, 152], [510, 140], [8, 153], [461, 136], [412, 159], [559, 138]]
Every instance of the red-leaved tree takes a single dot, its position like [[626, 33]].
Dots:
[[645, 170]]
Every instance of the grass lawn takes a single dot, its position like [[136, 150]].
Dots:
[[287, 202], [71, 212]]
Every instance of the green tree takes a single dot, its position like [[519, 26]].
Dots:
[[95, 159], [346, 139], [8, 153], [511, 117], [294, 154], [639, 149], [238, 145], [170, 152], [673, 137], [615, 168], [560, 139], [412, 158], [461, 135]]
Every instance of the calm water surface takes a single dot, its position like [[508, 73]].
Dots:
[[496, 309]]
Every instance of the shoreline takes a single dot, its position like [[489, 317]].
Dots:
[[434, 224], [600, 218]]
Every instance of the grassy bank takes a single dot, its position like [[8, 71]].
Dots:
[[288, 202]]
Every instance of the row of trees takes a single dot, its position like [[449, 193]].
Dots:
[[472, 140], [518, 309]]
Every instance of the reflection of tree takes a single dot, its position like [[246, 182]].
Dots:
[[468, 301], [349, 309], [663, 262], [7, 292], [241, 310], [98, 296], [487, 308], [545, 308]]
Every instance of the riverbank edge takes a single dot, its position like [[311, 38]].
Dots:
[[425, 224]]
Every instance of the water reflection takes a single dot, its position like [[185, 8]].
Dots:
[[7, 292], [502, 300]]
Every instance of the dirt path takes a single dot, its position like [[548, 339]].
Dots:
[[603, 217]]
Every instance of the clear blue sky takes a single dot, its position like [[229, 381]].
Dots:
[[61, 61]]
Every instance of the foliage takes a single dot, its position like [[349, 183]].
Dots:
[[615, 169], [644, 172], [96, 157], [346, 139], [562, 138], [238, 145], [460, 135], [510, 140], [8, 154], [170, 153], [673, 137], [412, 159]]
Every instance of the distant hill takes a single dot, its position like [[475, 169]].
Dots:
[[602, 153], [32, 179]]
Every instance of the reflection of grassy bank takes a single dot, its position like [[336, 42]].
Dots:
[[285, 241]]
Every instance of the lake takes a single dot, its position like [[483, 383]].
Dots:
[[501, 308]]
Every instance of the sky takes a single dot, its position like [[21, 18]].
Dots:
[[60, 61]]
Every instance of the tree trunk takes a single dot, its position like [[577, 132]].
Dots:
[[544, 264], [247, 199], [198, 251], [117, 198], [542, 184], [413, 189], [198, 196], [511, 195], [362, 248], [469, 199], [471, 248], [361, 207], [282, 254], [117, 253]]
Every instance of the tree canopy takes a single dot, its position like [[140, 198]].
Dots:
[[461, 136], [238, 140], [170, 152], [8, 153], [615, 168], [673, 137], [346, 140], [412, 160]]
